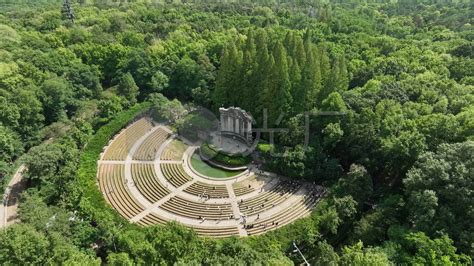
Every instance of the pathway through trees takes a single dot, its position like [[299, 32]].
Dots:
[[9, 206]]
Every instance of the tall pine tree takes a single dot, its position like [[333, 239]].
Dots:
[[298, 89], [297, 66], [337, 81], [311, 77], [299, 52], [278, 97], [342, 82], [261, 77], [249, 73], [324, 63], [228, 77]]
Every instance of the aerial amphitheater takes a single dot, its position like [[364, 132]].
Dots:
[[150, 175]]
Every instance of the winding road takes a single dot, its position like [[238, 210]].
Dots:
[[10, 199]]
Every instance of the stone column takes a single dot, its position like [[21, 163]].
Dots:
[[226, 122], [237, 125], [249, 131], [240, 127], [222, 123], [229, 124]]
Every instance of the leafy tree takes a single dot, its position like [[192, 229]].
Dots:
[[400, 142], [171, 111], [357, 183], [85, 80], [417, 248], [466, 123], [9, 113], [127, 88], [437, 187], [346, 207], [111, 106], [56, 96], [34, 211], [66, 253], [119, 259], [294, 162], [433, 251], [373, 227], [171, 240], [187, 75], [10, 144], [329, 220], [159, 82], [332, 135], [334, 102], [51, 167], [31, 113], [22, 244], [357, 255], [324, 254]]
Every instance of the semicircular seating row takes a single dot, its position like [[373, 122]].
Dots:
[[112, 182]]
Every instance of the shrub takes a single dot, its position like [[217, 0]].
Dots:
[[226, 159]]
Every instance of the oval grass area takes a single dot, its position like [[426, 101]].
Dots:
[[210, 171]]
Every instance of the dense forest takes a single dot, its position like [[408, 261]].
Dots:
[[398, 156]]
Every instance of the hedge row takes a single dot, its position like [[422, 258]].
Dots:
[[92, 201], [225, 159]]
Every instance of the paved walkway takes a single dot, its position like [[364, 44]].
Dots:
[[266, 182], [9, 206], [235, 208]]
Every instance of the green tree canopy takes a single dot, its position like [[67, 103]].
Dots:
[[438, 188]]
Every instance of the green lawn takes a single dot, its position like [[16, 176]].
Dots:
[[208, 170]]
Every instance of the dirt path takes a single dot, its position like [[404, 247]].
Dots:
[[10, 199]]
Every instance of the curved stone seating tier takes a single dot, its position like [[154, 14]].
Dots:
[[212, 191], [175, 174], [113, 185], [172, 153], [147, 150], [215, 231], [147, 182], [168, 155], [288, 215], [120, 146], [152, 219], [241, 188], [268, 199], [240, 191], [197, 210]]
